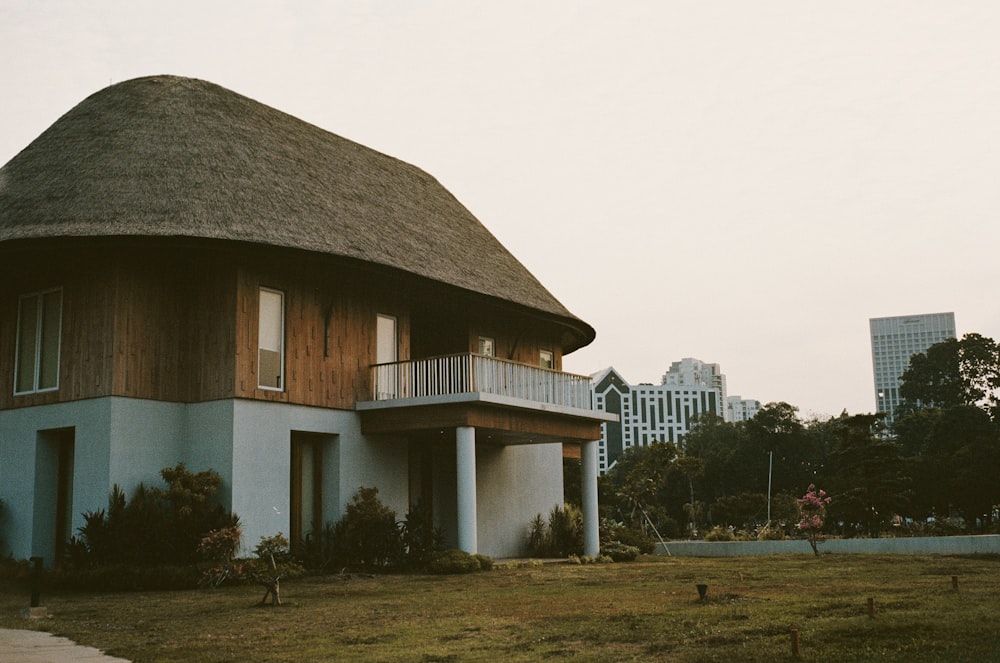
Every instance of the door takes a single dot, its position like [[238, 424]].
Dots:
[[53, 508]]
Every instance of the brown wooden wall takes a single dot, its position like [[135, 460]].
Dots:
[[330, 322], [179, 323]]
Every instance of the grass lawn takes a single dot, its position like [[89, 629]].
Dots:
[[645, 610]]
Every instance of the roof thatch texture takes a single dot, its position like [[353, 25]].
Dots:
[[166, 156]]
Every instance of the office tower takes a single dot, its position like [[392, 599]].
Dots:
[[647, 413], [894, 341]]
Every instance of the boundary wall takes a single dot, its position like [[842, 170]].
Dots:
[[987, 544]]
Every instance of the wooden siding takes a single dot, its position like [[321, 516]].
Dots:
[[330, 333], [178, 322]]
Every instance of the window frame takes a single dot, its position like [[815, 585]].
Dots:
[[281, 339], [38, 341]]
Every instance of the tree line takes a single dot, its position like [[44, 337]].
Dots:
[[934, 470]]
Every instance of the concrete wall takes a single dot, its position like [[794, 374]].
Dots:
[[126, 441], [115, 441], [937, 545], [514, 484]]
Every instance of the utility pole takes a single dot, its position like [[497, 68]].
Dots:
[[770, 464]]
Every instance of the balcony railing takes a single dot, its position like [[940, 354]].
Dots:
[[469, 374]]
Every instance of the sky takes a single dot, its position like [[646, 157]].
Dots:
[[745, 183]]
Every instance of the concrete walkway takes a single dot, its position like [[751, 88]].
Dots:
[[22, 646]]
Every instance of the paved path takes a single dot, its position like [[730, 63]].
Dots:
[[23, 646]]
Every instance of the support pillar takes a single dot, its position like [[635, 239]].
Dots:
[[465, 456], [588, 489]]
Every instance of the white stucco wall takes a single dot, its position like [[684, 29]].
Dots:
[[261, 462], [127, 441], [115, 440], [515, 483]]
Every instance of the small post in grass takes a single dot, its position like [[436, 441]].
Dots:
[[702, 592], [954, 583], [36, 610], [871, 608], [795, 643]]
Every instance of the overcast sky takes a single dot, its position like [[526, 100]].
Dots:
[[742, 182]]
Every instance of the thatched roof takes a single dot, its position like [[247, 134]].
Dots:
[[165, 156]]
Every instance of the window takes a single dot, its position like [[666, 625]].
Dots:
[[487, 346], [545, 359], [39, 328], [271, 339], [387, 352]]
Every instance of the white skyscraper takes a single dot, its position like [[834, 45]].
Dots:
[[689, 372], [741, 409], [647, 413], [894, 341]]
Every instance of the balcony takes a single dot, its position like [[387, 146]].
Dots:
[[470, 389], [462, 374]]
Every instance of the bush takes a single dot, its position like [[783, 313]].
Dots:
[[367, 536], [458, 561], [619, 552], [419, 538], [614, 532], [485, 562], [720, 534], [157, 527], [562, 536]]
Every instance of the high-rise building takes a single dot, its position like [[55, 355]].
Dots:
[[741, 409], [894, 341], [689, 372], [647, 413]]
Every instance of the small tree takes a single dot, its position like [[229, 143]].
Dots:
[[367, 535], [812, 513]]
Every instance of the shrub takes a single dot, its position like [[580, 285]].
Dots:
[[560, 537], [367, 535], [419, 538], [619, 552], [614, 532], [718, 533], [485, 562], [157, 527], [458, 561]]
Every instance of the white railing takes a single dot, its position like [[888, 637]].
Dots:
[[469, 374]]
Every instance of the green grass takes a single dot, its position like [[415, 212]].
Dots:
[[646, 610]]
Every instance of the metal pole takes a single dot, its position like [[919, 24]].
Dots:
[[770, 464], [36, 582]]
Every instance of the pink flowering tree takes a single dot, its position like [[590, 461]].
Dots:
[[812, 514], [219, 546]]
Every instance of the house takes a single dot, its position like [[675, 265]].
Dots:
[[192, 276]]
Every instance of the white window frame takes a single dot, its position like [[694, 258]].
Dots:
[[547, 357], [38, 337], [487, 346], [281, 339]]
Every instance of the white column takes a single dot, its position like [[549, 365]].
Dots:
[[588, 489], [465, 455]]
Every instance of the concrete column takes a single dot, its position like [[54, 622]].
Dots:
[[588, 489], [465, 455]]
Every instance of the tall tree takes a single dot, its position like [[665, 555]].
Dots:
[[777, 436], [639, 482], [952, 373], [866, 474]]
